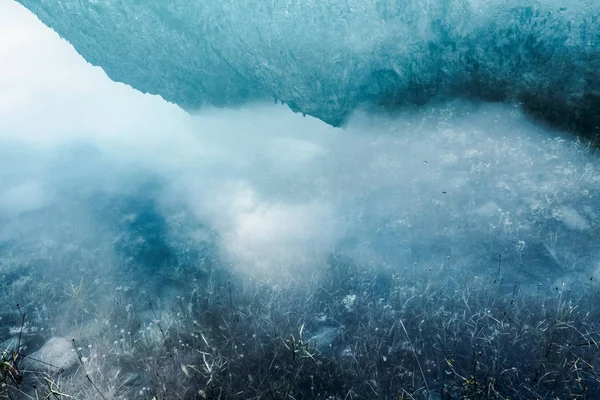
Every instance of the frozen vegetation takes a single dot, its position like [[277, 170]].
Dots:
[[445, 251]]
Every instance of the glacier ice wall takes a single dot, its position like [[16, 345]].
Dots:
[[327, 58]]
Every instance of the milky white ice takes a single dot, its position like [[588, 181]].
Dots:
[[282, 191]]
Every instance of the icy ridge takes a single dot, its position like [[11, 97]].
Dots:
[[326, 58]]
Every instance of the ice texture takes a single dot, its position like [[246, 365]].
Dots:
[[326, 58]]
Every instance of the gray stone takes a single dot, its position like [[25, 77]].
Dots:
[[57, 354], [133, 379], [324, 337]]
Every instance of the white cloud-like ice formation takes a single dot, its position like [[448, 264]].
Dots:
[[280, 190]]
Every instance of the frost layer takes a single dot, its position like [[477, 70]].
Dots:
[[326, 58]]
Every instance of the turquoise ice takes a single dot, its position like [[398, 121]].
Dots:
[[327, 58]]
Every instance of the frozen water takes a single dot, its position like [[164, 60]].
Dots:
[[211, 252], [327, 58]]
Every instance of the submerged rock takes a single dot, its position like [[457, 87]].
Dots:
[[571, 218], [324, 337], [57, 354]]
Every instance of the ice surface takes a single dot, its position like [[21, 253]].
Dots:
[[326, 58], [207, 241]]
